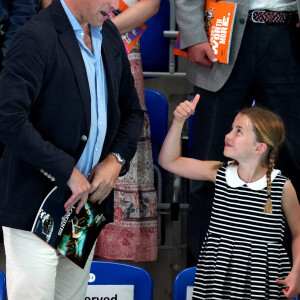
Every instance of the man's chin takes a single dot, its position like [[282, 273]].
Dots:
[[97, 22]]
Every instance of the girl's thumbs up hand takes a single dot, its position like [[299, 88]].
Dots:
[[185, 109]]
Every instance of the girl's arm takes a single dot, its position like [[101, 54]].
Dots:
[[291, 208], [136, 15], [169, 157]]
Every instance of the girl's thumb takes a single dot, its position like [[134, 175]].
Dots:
[[196, 100], [279, 281]]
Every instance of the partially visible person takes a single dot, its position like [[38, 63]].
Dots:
[[13, 15], [69, 115], [242, 256], [264, 64], [133, 234]]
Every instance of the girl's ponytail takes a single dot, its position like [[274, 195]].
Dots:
[[268, 206]]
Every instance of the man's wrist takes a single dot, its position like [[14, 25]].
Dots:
[[119, 158]]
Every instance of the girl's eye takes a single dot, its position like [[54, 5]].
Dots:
[[239, 131]]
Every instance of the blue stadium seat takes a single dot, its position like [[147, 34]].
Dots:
[[105, 273], [183, 280], [154, 46], [2, 286], [190, 134], [157, 108]]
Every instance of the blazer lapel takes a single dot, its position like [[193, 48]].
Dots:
[[70, 44]]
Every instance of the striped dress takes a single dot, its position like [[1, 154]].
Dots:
[[242, 254]]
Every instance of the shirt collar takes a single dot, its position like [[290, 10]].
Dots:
[[234, 181]]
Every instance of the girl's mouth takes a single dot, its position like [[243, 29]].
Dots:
[[104, 13]]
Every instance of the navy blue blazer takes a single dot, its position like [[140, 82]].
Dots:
[[45, 111]]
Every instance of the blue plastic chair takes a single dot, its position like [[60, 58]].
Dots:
[[154, 46], [111, 273], [157, 108], [191, 126], [184, 279], [2, 286]]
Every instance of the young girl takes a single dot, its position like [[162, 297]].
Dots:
[[242, 256]]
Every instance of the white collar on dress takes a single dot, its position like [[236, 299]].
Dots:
[[234, 181]]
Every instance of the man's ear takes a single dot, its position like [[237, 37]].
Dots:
[[261, 148]]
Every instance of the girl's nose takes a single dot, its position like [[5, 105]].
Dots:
[[228, 136]]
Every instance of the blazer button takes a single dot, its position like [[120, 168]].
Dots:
[[84, 138]]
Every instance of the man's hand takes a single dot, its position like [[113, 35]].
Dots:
[[202, 54], [298, 24], [103, 178], [80, 187]]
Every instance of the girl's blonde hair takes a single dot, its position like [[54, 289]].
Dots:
[[268, 129]]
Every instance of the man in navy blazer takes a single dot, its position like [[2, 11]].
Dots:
[[68, 116]]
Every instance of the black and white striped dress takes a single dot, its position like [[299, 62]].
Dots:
[[242, 254]]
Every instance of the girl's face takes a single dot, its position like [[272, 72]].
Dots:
[[240, 142]]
